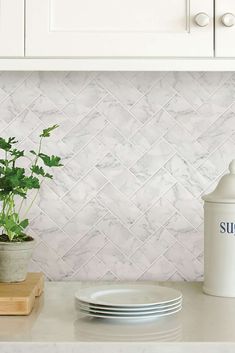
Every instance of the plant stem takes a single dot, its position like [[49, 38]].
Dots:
[[32, 202], [39, 151]]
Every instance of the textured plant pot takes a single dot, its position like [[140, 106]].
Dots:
[[14, 260]]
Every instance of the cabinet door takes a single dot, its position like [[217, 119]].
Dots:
[[11, 28], [118, 28], [225, 28]]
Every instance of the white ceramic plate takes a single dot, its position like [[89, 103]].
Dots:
[[134, 295], [130, 313], [135, 317], [83, 305]]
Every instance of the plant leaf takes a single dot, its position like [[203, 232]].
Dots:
[[3, 162], [17, 153], [37, 170], [49, 176], [5, 145], [47, 132], [50, 161], [31, 182], [33, 152], [24, 223]]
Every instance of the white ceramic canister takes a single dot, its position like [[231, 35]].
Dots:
[[219, 237]]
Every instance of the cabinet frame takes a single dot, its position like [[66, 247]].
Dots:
[[60, 42], [12, 28], [13, 41]]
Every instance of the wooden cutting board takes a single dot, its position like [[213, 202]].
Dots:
[[19, 298]]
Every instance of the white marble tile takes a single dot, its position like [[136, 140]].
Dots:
[[22, 126], [186, 116], [152, 160], [161, 268], [184, 261], [113, 125], [185, 233], [153, 101], [144, 81], [3, 125], [109, 276], [84, 131], [87, 158], [84, 249], [34, 267], [55, 268], [118, 175], [25, 94], [218, 161], [119, 264], [83, 103], [94, 269], [50, 115], [61, 182], [50, 234], [3, 94], [219, 131], [153, 219], [118, 204], [183, 172], [85, 219], [85, 190], [75, 81], [15, 103], [151, 132], [219, 101], [51, 85], [118, 116], [187, 86], [152, 249], [121, 88], [211, 81], [55, 208], [186, 204], [115, 231], [183, 143], [153, 190], [177, 277], [126, 151], [10, 80]]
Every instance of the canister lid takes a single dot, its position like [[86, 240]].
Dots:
[[225, 190]]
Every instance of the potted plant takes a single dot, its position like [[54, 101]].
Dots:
[[16, 245]]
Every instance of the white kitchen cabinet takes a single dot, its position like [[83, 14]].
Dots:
[[11, 28], [119, 28], [225, 28]]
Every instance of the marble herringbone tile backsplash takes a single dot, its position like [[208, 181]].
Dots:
[[138, 151]]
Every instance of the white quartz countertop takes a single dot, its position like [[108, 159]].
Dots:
[[205, 325]]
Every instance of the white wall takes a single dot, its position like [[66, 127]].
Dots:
[[138, 150]]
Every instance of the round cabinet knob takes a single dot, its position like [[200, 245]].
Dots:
[[202, 19], [228, 19]]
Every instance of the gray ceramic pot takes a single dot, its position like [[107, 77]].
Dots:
[[14, 260]]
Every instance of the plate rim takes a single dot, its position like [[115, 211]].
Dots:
[[132, 313], [128, 308], [83, 294], [132, 317]]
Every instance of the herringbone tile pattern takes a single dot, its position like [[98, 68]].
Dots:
[[139, 149]]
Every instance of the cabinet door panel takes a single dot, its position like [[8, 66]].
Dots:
[[11, 28], [224, 35], [117, 28]]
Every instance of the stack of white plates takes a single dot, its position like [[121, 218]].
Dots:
[[135, 301]]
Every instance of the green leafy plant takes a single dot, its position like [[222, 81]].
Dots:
[[17, 182]]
